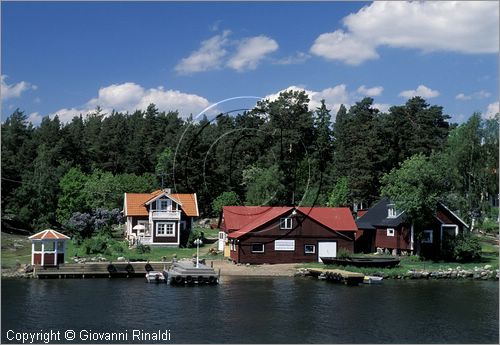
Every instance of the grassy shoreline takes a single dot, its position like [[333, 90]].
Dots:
[[17, 249]]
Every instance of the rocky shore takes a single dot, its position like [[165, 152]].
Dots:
[[477, 273]]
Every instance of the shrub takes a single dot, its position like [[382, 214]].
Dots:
[[466, 248], [343, 253], [142, 248], [193, 235]]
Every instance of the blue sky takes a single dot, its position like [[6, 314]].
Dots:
[[66, 58]]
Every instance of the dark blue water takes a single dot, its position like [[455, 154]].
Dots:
[[257, 310]]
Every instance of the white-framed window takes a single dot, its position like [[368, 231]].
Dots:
[[284, 245], [427, 236], [164, 204], [391, 211], [165, 229], [390, 232], [309, 249], [286, 223], [257, 247]]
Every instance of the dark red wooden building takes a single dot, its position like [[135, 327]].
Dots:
[[383, 226], [260, 234]]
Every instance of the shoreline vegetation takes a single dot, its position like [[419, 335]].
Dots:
[[16, 255]]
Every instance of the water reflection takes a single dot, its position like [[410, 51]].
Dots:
[[260, 310]]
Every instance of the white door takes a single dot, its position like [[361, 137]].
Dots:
[[327, 250]]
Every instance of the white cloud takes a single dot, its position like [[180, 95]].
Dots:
[[128, 97], [370, 92], [457, 26], [208, 57], [333, 96], [492, 110], [340, 45], [476, 95], [213, 54], [463, 97], [251, 51], [14, 90], [298, 57], [382, 107], [421, 90], [35, 118]]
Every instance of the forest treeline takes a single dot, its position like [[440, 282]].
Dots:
[[279, 153]]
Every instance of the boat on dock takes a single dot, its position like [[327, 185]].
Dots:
[[362, 262], [182, 273], [337, 276], [155, 277], [372, 280]]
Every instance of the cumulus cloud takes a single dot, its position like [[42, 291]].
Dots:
[[476, 95], [128, 97], [251, 51], [492, 110], [421, 90], [35, 118], [382, 107], [208, 57], [468, 27], [333, 96], [370, 92], [219, 51], [14, 90], [339, 45]]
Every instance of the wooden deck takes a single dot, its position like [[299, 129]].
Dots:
[[99, 270], [338, 276]]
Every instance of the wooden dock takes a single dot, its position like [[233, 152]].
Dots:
[[337, 276], [100, 270]]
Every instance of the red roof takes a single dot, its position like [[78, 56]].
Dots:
[[239, 220], [135, 203], [335, 218], [48, 234]]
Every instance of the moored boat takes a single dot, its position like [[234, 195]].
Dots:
[[155, 277], [362, 262], [372, 280]]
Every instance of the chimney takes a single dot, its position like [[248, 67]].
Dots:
[[168, 190]]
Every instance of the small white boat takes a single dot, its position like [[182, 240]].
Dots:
[[372, 280], [155, 277]]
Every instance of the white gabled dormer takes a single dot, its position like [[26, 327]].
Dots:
[[164, 206]]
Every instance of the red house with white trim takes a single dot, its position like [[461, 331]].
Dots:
[[264, 234]]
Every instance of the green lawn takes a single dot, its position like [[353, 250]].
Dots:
[[156, 253]]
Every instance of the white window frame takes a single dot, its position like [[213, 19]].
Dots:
[[289, 244], [165, 234], [258, 251], [168, 202], [286, 223], [390, 232], [431, 237], [313, 249], [391, 211]]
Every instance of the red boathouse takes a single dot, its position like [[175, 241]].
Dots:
[[48, 247]]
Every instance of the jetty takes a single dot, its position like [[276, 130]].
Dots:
[[100, 269], [189, 273], [337, 276]]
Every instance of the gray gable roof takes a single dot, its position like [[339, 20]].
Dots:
[[377, 216]]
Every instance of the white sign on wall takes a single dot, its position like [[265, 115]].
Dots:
[[284, 245]]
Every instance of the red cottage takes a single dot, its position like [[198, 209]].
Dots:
[[383, 226], [263, 234]]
